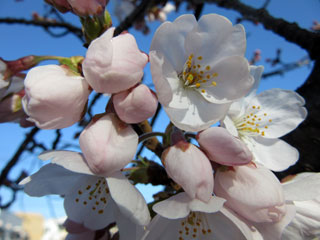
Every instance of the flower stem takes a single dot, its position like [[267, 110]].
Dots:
[[149, 135]]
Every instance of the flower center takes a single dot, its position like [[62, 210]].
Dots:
[[254, 123], [197, 76], [194, 225], [94, 195]]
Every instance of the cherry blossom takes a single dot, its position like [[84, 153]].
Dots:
[[259, 120], [136, 104], [223, 148], [189, 167], [113, 64], [85, 7], [180, 217], [304, 191], [91, 200], [190, 67], [59, 109], [108, 144], [252, 191]]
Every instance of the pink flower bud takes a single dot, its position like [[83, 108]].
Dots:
[[113, 64], [85, 7], [108, 144], [253, 192], [62, 5], [190, 168], [223, 148], [135, 105], [55, 98], [10, 108]]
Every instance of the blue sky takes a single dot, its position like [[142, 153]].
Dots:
[[18, 40]]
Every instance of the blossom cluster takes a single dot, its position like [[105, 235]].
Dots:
[[224, 187]]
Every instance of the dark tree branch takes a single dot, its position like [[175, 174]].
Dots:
[[136, 14], [307, 40], [5, 171], [306, 138], [46, 25]]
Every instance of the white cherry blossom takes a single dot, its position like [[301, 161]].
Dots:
[[92, 200], [183, 218], [304, 190], [259, 120], [198, 69]]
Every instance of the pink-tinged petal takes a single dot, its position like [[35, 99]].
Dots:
[[85, 7], [50, 179], [189, 167], [223, 148], [169, 40], [275, 154], [10, 109], [54, 98], [135, 105], [273, 231], [253, 192], [114, 64], [306, 186], [128, 199], [108, 144], [72, 161], [306, 223], [281, 111], [62, 5]]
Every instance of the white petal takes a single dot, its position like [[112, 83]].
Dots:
[[129, 200], [169, 39], [127, 229], [229, 125], [200, 114], [256, 73], [162, 73], [214, 205], [248, 232], [284, 111], [180, 205], [305, 188], [174, 207], [50, 179], [222, 226], [215, 37], [230, 85], [275, 154], [306, 223], [162, 229], [73, 161], [89, 203]]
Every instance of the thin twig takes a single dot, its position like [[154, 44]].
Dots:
[[46, 25]]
